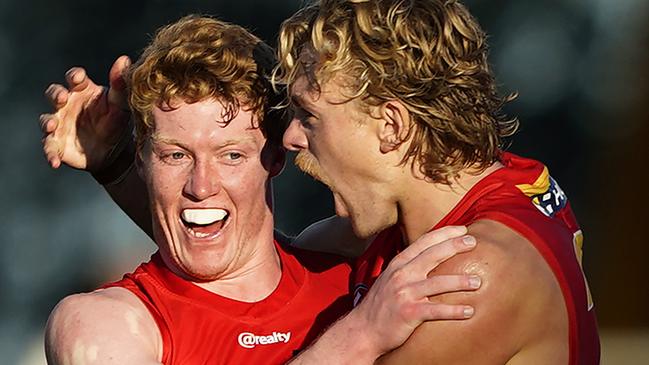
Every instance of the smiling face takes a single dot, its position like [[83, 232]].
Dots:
[[208, 184], [338, 143]]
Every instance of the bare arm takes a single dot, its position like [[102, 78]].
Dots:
[[520, 313], [131, 196], [108, 326], [333, 235], [397, 303], [89, 130]]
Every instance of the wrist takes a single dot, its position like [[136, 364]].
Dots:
[[355, 341], [362, 336], [119, 160]]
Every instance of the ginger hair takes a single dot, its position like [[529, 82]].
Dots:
[[197, 58]]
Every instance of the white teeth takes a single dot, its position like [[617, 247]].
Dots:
[[198, 234], [203, 216]]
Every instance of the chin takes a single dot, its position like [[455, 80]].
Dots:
[[198, 266], [201, 272], [364, 228]]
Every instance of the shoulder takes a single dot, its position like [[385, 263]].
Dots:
[[502, 256], [515, 276], [105, 324], [518, 307], [509, 261]]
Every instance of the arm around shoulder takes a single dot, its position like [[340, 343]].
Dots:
[[519, 310], [107, 326]]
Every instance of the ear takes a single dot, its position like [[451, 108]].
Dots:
[[278, 163], [273, 157], [394, 125], [139, 162]]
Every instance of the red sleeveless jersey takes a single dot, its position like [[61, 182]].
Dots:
[[524, 197], [200, 327]]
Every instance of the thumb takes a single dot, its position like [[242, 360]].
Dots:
[[117, 92]]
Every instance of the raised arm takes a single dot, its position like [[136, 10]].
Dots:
[[89, 130], [397, 303], [108, 326]]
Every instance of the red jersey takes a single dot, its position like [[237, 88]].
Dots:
[[200, 327], [524, 197]]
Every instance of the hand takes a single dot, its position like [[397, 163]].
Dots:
[[88, 119], [398, 301]]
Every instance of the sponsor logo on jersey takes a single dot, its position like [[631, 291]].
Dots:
[[546, 194], [250, 340], [359, 292]]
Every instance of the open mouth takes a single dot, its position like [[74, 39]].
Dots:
[[204, 223]]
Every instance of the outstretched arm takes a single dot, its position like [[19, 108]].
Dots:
[[397, 303], [89, 130]]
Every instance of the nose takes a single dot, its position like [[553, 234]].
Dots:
[[203, 181], [294, 137]]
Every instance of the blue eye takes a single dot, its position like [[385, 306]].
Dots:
[[177, 155], [234, 155]]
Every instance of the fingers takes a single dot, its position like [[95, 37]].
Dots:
[[57, 95], [433, 256], [440, 284], [429, 239], [52, 151], [117, 92], [48, 123], [439, 311], [77, 79], [51, 146], [117, 72]]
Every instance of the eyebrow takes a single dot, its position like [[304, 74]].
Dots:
[[229, 142], [303, 103], [156, 138], [234, 141]]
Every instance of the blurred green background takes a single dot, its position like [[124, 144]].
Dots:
[[581, 69]]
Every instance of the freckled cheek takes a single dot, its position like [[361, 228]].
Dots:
[[245, 188], [167, 183]]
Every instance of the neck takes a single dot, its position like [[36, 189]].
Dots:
[[258, 273], [423, 204]]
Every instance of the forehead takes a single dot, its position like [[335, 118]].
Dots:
[[301, 91], [205, 119], [331, 92]]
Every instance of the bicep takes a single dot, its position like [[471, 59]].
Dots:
[[91, 328], [332, 235]]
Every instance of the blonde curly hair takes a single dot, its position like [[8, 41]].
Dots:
[[200, 57], [431, 55]]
